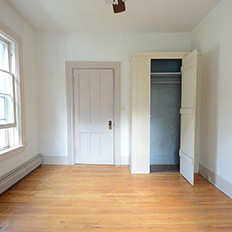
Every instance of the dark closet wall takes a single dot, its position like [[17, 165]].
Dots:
[[165, 112]]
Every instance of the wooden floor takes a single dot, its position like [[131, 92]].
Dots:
[[109, 198]]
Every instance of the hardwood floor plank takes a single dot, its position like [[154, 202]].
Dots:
[[110, 199]]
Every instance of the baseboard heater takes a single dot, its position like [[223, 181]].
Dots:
[[18, 173]]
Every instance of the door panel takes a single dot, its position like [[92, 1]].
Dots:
[[94, 145], [94, 99], [93, 109], [83, 144], [83, 99], [188, 116], [189, 90], [105, 140], [187, 129], [106, 97]]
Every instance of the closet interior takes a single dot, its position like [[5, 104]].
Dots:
[[165, 115]]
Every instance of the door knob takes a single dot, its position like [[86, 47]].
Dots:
[[110, 125]]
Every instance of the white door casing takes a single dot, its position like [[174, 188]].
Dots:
[[71, 66], [93, 111], [188, 116]]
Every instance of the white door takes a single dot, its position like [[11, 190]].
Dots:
[[188, 116], [93, 116]]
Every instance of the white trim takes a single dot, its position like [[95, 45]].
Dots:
[[161, 55], [115, 66], [140, 115], [17, 40], [8, 153], [56, 160], [221, 183], [6, 126], [2, 70]]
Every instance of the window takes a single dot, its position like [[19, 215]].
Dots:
[[10, 99]]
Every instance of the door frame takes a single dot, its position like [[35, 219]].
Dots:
[[115, 66]]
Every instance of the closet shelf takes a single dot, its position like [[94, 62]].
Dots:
[[165, 82], [166, 74]]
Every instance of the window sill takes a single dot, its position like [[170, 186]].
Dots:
[[10, 152]]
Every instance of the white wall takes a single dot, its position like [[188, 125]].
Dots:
[[56, 48], [213, 37], [15, 22]]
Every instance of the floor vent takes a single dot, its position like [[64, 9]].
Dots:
[[18, 173]]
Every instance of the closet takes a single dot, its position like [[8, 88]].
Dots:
[[165, 115], [148, 71]]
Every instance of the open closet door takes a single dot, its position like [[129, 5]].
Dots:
[[188, 116]]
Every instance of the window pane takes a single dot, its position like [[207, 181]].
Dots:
[[2, 108], [6, 83], [3, 139], [2, 49], [6, 110], [4, 57], [6, 99]]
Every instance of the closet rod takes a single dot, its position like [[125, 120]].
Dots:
[[165, 82], [166, 73]]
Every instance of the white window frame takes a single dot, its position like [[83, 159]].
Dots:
[[18, 146]]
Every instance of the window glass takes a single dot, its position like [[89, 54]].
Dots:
[[6, 83], [3, 139], [6, 98], [4, 56], [2, 109]]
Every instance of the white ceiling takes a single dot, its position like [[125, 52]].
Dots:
[[97, 16]]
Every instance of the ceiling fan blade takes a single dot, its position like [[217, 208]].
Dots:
[[120, 7]]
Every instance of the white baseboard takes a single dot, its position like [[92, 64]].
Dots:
[[63, 160], [125, 160], [222, 184], [60, 160]]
